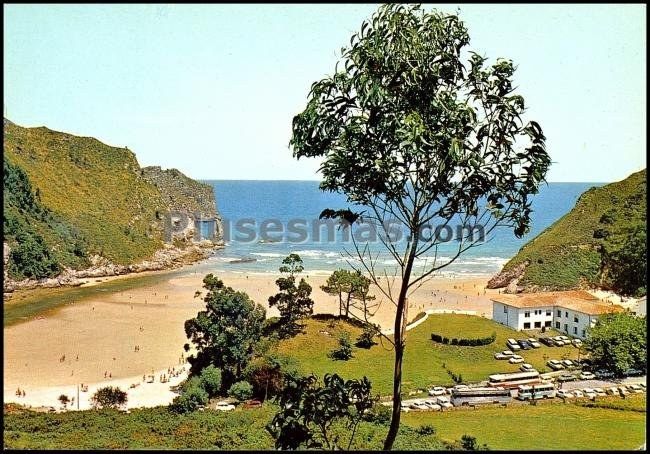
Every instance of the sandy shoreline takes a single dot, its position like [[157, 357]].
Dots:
[[102, 332]]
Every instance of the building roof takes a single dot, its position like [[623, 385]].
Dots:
[[575, 300]]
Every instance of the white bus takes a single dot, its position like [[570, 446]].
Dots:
[[475, 396], [539, 391], [514, 380]]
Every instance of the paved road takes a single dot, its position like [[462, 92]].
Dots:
[[580, 384]]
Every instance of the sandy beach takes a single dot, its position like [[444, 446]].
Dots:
[[94, 341]]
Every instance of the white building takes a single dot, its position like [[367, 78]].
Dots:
[[571, 312]]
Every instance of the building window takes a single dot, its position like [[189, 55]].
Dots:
[[559, 314], [566, 315], [505, 309], [547, 323], [538, 324], [583, 333], [549, 313], [575, 330], [575, 318], [527, 314], [527, 325], [557, 325], [566, 328]]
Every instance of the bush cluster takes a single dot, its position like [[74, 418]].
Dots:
[[464, 342]]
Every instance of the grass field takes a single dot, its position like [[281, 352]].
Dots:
[[555, 426], [519, 427], [423, 359]]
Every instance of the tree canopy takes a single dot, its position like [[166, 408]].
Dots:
[[414, 127], [226, 332], [293, 301], [618, 342]]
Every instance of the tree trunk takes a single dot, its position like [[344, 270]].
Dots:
[[399, 336], [347, 306]]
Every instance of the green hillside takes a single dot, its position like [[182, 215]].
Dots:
[[600, 242], [54, 181]]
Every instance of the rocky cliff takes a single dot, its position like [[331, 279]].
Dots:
[[73, 206]]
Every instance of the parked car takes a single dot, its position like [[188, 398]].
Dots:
[[535, 344], [224, 406], [584, 375], [419, 406], [515, 348], [635, 388], [623, 390], [558, 342], [642, 385], [458, 387], [613, 391], [500, 355], [516, 359], [437, 391], [577, 343], [566, 377], [604, 374], [567, 363], [600, 392], [524, 345], [252, 403], [565, 394], [555, 364], [557, 338], [526, 367], [578, 393], [633, 373], [507, 353], [589, 392], [564, 338], [432, 404], [547, 341], [444, 402], [405, 407]]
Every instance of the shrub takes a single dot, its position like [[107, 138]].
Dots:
[[211, 380], [379, 414], [365, 339], [344, 351], [465, 342], [193, 396], [242, 390], [109, 397], [267, 374], [426, 429]]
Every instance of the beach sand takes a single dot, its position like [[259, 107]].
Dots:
[[99, 335]]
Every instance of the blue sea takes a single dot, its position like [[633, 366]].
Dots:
[[252, 203]]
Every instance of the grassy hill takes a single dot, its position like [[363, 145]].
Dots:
[[426, 363], [67, 198], [600, 242]]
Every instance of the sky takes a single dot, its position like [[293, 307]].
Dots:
[[212, 89]]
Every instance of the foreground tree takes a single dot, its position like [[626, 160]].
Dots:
[[412, 133], [618, 342], [293, 300], [226, 332], [109, 397], [308, 411]]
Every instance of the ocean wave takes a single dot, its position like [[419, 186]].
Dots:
[[268, 254]]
